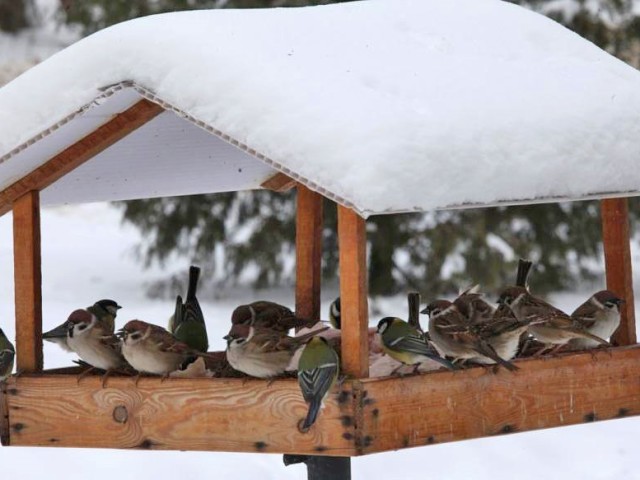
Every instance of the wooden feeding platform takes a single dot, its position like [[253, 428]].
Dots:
[[102, 143]]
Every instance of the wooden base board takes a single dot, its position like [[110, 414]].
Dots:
[[361, 417]]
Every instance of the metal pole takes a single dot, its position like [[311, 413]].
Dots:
[[322, 468]]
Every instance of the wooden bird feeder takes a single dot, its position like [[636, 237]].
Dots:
[[100, 147]]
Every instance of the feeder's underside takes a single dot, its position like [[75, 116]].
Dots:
[[360, 417]]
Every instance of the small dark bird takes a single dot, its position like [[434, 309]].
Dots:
[[187, 323]]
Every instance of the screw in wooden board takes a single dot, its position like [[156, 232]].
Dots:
[[120, 414]]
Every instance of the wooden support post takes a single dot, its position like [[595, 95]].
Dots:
[[322, 468], [617, 256], [353, 293], [28, 280], [308, 253]]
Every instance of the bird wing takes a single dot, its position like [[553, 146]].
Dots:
[[584, 315], [315, 383], [413, 344]]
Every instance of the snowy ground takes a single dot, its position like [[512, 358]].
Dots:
[[87, 255]]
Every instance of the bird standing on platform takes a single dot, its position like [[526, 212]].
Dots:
[[454, 337], [187, 323], [260, 352], [599, 315], [473, 307], [105, 311], [152, 349], [265, 315], [406, 344], [547, 323], [318, 369], [334, 314], [7, 355]]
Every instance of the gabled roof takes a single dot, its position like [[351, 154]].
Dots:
[[383, 105]]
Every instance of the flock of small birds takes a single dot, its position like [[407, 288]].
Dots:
[[466, 330]]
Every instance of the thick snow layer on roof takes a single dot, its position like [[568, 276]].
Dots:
[[384, 105]]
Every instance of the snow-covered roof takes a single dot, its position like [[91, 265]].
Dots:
[[383, 105]]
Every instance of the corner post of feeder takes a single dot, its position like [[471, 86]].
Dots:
[[352, 238], [28, 282], [308, 252], [617, 256]]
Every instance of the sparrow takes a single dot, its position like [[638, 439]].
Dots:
[[547, 324], [92, 340], [152, 349], [270, 316], [475, 309], [318, 369], [334, 314], [105, 310], [455, 337], [262, 353], [187, 323], [7, 355], [599, 315], [406, 344]]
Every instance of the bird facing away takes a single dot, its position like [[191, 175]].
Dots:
[[547, 323], [262, 353], [267, 315], [599, 315], [473, 307], [152, 349], [187, 323], [7, 355], [91, 340], [105, 311], [406, 344], [334, 314], [318, 369], [454, 337]]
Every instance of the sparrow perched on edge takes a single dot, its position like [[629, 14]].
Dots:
[[454, 337], [334, 314], [187, 323], [473, 307], [260, 352], [7, 354], [406, 344], [318, 369], [547, 323], [92, 340], [152, 349], [105, 311], [599, 315], [269, 316]]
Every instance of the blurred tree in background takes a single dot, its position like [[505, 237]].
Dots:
[[249, 236]]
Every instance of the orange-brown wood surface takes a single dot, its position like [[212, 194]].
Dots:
[[617, 254], [308, 253], [75, 155], [175, 414], [279, 183], [547, 392], [28, 282], [352, 239]]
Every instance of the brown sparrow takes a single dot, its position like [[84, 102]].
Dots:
[[547, 324], [152, 349], [270, 316], [600, 316], [260, 352], [453, 336], [475, 309]]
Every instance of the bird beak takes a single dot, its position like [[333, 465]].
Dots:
[[227, 337], [59, 332], [426, 310], [118, 307]]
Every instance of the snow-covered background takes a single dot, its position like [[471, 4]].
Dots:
[[87, 254]]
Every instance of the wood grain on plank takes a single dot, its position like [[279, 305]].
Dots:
[[279, 182], [72, 157], [353, 293], [28, 282], [308, 252], [547, 392], [177, 414], [617, 255]]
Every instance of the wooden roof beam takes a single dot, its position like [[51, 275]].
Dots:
[[88, 147], [279, 182]]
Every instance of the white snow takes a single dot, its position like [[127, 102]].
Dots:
[[87, 254], [383, 105]]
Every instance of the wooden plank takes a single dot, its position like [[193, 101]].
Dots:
[[279, 183], [72, 157], [28, 282], [4, 416], [233, 415], [547, 392], [617, 255], [352, 239], [308, 253]]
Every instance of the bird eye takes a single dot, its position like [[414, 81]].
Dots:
[[240, 341], [82, 327], [135, 336]]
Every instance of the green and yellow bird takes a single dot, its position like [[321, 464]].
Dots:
[[318, 369], [187, 323], [7, 354]]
